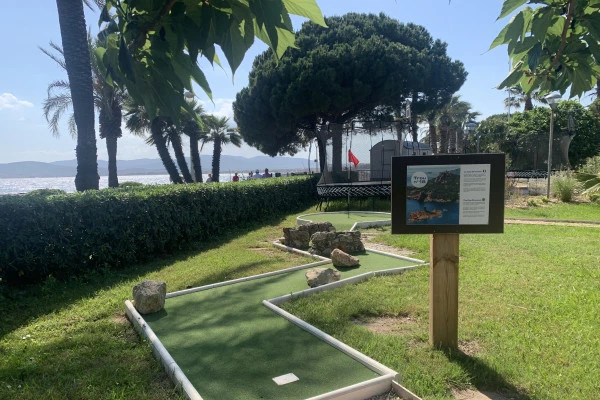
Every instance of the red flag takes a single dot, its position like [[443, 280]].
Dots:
[[352, 158]]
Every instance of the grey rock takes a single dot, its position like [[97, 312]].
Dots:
[[321, 276], [341, 259], [296, 238], [323, 243], [149, 296]]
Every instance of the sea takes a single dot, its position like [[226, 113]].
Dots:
[[25, 185], [450, 212]]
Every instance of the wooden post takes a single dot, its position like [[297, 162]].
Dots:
[[443, 291]]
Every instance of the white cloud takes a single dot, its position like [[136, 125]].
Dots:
[[9, 101], [220, 108]]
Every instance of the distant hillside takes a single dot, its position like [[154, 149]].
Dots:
[[34, 169]]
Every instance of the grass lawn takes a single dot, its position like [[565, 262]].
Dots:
[[528, 317], [562, 211]]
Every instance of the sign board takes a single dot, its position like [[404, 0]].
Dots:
[[452, 193]]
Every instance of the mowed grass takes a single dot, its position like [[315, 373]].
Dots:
[[72, 340], [528, 315], [560, 211]]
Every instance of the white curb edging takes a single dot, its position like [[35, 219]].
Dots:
[[161, 353], [359, 391]]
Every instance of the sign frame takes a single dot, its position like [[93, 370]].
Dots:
[[495, 211]]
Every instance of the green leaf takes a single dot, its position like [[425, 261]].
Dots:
[[509, 6], [533, 57], [235, 44], [515, 28], [542, 18], [513, 77], [592, 23], [581, 80], [305, 8], [125, 63], [501, 38]]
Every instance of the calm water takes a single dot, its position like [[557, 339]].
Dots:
[[450, 212], [24, 185]]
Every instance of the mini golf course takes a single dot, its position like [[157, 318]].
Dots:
[[344, 221], [229, 341]]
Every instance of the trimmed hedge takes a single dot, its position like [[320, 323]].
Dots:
[[67, 235]]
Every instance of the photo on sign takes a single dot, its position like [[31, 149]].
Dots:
[[433, 194]]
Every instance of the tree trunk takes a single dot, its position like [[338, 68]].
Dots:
[[110, 130], [452, 140], [414, 127], [73, 32], [443, 138], [156, 130], [460, 140], [180, 157], [195, 155], [111, 150], [336, 147], [322, 154], [216, 161], [528, 103], [433, 137]]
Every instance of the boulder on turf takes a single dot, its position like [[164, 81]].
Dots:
[[315, 227], [149, 296], [323, 243], [296, 238], [342, 259], [321, 276]]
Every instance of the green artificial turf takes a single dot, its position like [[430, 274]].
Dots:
[[345, 221], [230, 346]]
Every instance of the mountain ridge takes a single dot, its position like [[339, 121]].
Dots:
[[148, 166]]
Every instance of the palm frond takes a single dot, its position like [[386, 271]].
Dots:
[[59, 59]]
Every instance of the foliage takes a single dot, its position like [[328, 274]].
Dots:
[[44, 192], [217, 130], [591, 165], [451, 120], [70, 235], [359, 63], [130, 184], [564, 186], [155, 52], [525, 138], [553, 46]]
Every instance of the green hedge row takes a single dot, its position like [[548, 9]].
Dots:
[[66, 235]]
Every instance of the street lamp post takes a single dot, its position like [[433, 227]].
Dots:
[[552, 100]]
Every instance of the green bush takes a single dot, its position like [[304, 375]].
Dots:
[[564, 186], [130, 184], [45, 192], [72, 234]]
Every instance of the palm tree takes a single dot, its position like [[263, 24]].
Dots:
[[190, 126], [517, 97], [452, 119], [138, 122], [107, 99], [173, 137], [77, 63], [216, 131]]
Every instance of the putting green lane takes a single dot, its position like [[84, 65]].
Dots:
[[230, 346], [345, 221]]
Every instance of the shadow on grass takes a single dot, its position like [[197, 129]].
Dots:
[[21, 304], [485, 378]]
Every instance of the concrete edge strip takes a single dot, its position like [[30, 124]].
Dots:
[[333, 285], [344, 348], [248, 278], [161, 353], [404, 392], [396, 256], [371, 224], [298, 251], [359, 391]]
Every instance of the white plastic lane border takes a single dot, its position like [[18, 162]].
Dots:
[[160, 352], [304, 219], [367, 388]]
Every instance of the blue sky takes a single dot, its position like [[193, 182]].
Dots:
[[468, 26]]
